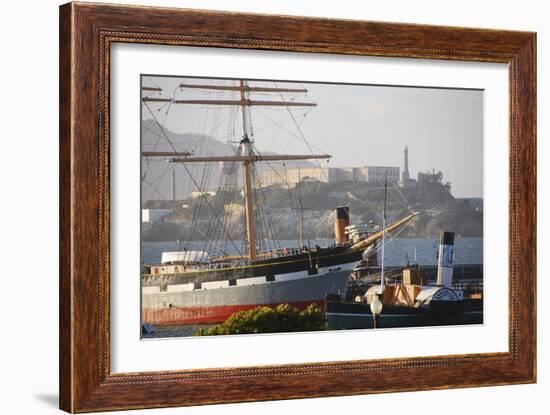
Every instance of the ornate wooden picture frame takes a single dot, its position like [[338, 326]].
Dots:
[[87, 32]]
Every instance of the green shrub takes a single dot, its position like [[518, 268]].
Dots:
[[283, 318]]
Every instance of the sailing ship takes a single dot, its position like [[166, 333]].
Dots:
[[196, 286]]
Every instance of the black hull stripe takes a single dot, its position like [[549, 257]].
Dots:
[[267, 268]]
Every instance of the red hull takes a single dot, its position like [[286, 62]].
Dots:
[[174, 316]]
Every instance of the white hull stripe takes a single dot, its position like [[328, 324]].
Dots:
[[249, 281]]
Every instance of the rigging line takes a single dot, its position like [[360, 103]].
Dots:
[[224, 224], [204, 119], [296, 124], [391, 238], [235, 224], [177, 145], [258, 207], [215, 123], [301, 211], [203, 192], [297, 95], [307, 143], [207, 172], [231, 189], [228, 188], [370, 205], [336, 134], [256, 110], [263, 212], [279, 125], [228, 184], [235, 221], [212, 231], [288, 186], [204, 92], [275, 130], [303, 119], [232, 222], [188, 172], [214, 120], [217, 232], [257, 216], [153, 82], [274, 234], [358, 136], [269, 217], [199, 107], [400, 193], [326, 177], [238, 221], [316, 161], [367, 137], [221, 202], [271, 127], [154, 188], [158, 94], [231, 179], [157, 140], [268, 230], [213, 130], [161, 128], [176, 91], [157, 181], [199, 231], [167, 105], [195, 168], [202, 234], [197, 209], [285, 180], [147, 162], [231, 127], [248, 110]]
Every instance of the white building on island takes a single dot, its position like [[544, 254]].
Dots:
[[367, 174]]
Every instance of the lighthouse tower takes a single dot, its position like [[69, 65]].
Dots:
[[406, 180], [406, 176]]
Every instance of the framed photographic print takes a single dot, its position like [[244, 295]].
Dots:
[[254, 207]]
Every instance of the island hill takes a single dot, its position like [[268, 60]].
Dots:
[[305, 193], [438, 210]]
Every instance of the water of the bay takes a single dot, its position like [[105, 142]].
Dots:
[[397, 251]]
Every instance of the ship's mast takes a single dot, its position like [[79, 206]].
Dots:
[[246, 154], [246, 150], [249, 205]]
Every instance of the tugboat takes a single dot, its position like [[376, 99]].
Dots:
[[408, 301]]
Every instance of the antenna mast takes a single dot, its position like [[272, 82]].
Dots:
[[382, 278]]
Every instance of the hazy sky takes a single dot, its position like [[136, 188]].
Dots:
[[357, 124]]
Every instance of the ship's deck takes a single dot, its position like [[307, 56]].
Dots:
[[309, 260]]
